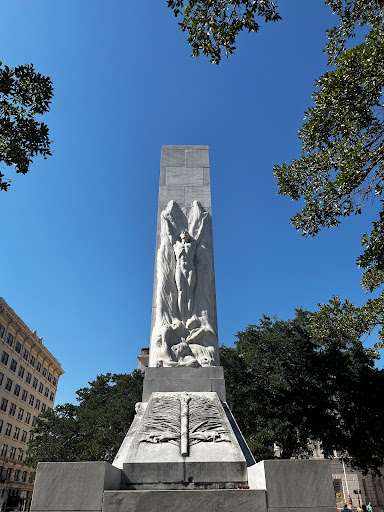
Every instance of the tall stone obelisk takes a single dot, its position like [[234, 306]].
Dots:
[[184, 451], [184, 295]]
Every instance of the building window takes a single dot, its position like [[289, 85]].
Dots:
[[1, 378], [34, 384], [1, 428], [51, 396], [54, 381], [25, 354], [8, 384], [16, 475], [32, 360], [24, 476], [24, 395], [24, 436], [41, 387], [21, 372], [8, 429], [18, 347], [27, 418], [12, 452], [31, 399], [2, 329], [13, 365], [34, 421], [49, 376], [16, 433], [44, 372], [4, 358], [9, 473], [4, 449], [16, 391], [31, 436], [37, 406], [10, 339], [21, 454], [4, 404], [43, 407], [12, 409], [21, 414], [31, 477], [28, 378], [46, 392], [38, 366]]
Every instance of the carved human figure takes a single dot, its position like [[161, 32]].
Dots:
[[185, 272], [202, 339], [168, 335]]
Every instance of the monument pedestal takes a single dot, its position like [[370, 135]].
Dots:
[[184, 379]]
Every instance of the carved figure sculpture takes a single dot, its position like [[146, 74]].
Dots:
[[185, 272], [184, 333]]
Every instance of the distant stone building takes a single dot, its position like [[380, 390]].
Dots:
[[143, 358], [350, 485], [29, 376]]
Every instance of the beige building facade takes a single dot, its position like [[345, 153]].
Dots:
[[352, 487], [29, 375]]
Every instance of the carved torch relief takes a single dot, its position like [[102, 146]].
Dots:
[[183, 419]]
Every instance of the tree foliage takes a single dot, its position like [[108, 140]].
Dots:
[[342, 161], [24, 94], [92, 430], [213, 25], [289, 387]]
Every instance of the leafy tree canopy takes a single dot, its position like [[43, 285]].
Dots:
[[24, 94], [92, 430], [289, 387], [342, 161], [213, 25]]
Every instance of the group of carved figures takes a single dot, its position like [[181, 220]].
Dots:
[[184, 332]]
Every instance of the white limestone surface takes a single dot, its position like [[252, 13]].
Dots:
[[297, 485], [73, 486], [155, 456], [233, 500]]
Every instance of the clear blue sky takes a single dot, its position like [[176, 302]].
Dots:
[[78, 231]]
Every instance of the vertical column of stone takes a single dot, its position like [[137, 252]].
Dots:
[[184, 177]]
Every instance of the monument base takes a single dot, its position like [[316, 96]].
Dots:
[[182, 441], [281, 486]]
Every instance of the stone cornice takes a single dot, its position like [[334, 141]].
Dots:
[[22, 328]]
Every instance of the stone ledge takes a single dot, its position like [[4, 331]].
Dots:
[[233, 500], [210, 379], [73, 486]]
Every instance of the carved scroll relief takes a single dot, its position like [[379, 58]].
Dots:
[[185, 331], [184, 419]]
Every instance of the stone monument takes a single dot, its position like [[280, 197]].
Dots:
[[184, 451]]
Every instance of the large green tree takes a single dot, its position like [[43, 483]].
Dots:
[[213, 25], [288, 387], [342, 163], [341, 166], [24, 94], [91, 430]]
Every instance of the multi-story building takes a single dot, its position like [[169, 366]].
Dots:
[[29, 375]]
